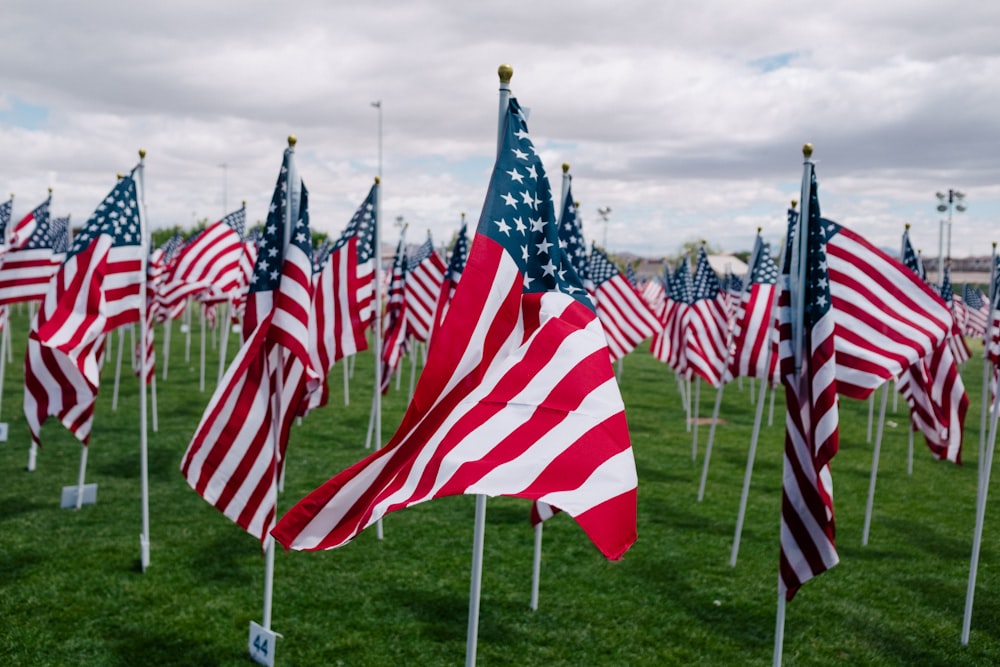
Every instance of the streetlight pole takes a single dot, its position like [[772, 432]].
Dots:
[[953, 201], [225, 187], [378, 105], [604, 212]]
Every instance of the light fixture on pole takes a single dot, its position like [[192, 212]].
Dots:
[[604, 212], [953, 201]]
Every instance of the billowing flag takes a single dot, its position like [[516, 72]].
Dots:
[[625, 317], [809, 373], [518, 397], [452, 275], [754, 327], [235, 455], [424, 277], [25, 271], [571, 235], [6, 210], [707, 324], [394, 324], [959, 349], [95, 290], [24, 228], [977, 311], [910, 259]]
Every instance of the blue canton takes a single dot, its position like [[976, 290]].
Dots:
[[705, 284], [270, 248], [571, 236], [6, 209], [362, 225], [117, 216], [458, 256]]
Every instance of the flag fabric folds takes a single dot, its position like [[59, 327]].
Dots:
[[24, 228], [25, 271], [452, 275], [707, 325], [809, 373], [977, 311], [235, 455], [518, 398], [955, 338], [625, 317], [754, 329], [394, 324], [95, 290]]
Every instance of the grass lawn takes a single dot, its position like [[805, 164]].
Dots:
[[71, 592]]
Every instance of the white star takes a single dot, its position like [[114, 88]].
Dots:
[[515, 175], [549, 269], [520, 155], [503, 226], [521, 134], [524, 253], [274, 275], [528, 280], [271, 229], [532, 172], [520, 225], [536, 224], [543, 247], [528, 199]]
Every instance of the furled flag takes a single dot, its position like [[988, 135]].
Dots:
[[660, 345], [344, 290], [910, 259], [518, 398], [707, 324], [394, 324], [959, 349], [754, 327], [25, 227], [236, 453], [630, 276], [625, 317], [808, 371], [424, 277], [6, 210], [977, 311], [95, 290], [25, 271], [452, 276], [654, 292], [208, 266]]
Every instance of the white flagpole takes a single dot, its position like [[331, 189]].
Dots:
[[167, 327], [143, 419], [694, 419], [875, 457], [987, 370], [81, 476], [118, 368], [201, 371], [347, 389], [985, 468], [414, 351], [797, 279], [222, 327], [187, 333], [871, 416], [758, 418], [505, 72]]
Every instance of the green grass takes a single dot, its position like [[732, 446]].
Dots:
[[71, 592]]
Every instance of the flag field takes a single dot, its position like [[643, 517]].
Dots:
[[71, 590]]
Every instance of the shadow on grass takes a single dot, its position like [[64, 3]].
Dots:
[[143, 646]]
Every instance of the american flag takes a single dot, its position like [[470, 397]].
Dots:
[[910, 259], [654, 293], [955, 338], [25, 271], [208, 266], [394, 325], [452, 276], [236, 453], [977, 311], [571, 235], [424, 277], [24, 228], [993, 334], [809, 373], [626, 318], [631, 277], [754, 327], [6, 210], [887, 317], [674, 319], [707, 324], [248, 258], [519, 397], [362, 227], [95, 290], [659, 346]]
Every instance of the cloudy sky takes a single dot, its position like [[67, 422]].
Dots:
[[686, 119]]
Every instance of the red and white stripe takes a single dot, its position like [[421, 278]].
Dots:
[[423, 287], [626, 318]]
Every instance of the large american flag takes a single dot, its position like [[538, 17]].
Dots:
[[25, 271], [955, 338], [208, 266], [394, 324], [424, 277], [626, 318], [236, 453], [754, 329], [571, 235], [977, 311], [809, 373], [24, 228], [707, 324], [452, 276], [95, 290], [363, 223], [518, 398]]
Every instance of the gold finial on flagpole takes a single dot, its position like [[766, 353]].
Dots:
[[565, 167], [292, 140], [907, 226], [505, 72], [120, 176], [50, 189], [795, 202], [576, 204], [807, 151], [377, 180], [759, 229], [142, 153], [244, 203]]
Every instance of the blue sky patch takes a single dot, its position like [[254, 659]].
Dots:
[[774, 61], [23, 114]]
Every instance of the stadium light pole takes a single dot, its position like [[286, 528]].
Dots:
[[604, 212], [953, 201], [378, 105]]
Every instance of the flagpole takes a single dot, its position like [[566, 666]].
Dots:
[[874, 473], [909, 416], [167, 327], [201, 366], [505, 73], [118, 368], [986, 361], [143, 419], [758, 418], [694, 418], [797, 279]]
